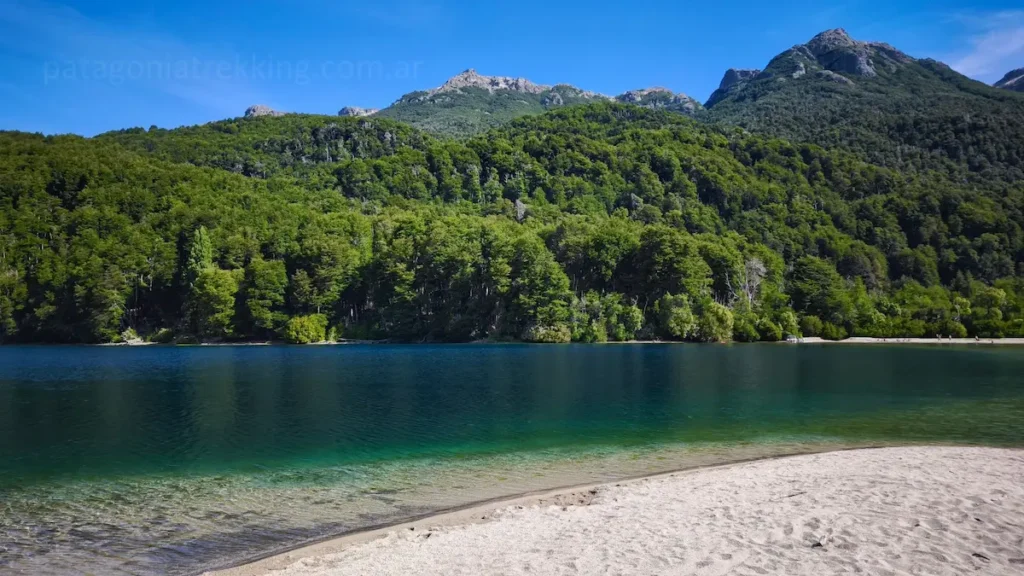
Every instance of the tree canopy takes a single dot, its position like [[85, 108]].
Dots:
[[588, 223]]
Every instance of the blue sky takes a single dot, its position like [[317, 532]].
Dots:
[[88, 67]]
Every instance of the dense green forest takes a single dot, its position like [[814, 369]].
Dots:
[[588, 223]]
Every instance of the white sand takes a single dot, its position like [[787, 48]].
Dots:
[[917, 510], [934, 341]]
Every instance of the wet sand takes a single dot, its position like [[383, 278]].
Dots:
[[935, 510]]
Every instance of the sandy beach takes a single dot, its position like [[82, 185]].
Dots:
[[922, 341], [913, 510]]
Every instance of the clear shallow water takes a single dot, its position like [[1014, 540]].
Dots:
[[174, 460]]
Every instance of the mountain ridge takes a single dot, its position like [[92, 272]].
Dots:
[[469, 103], [1013, 80], [891, 108]]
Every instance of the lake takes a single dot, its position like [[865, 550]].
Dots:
[[172, 460]]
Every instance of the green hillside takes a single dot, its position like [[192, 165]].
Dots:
[[594, 222]]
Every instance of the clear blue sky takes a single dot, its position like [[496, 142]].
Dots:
[[91, 66]]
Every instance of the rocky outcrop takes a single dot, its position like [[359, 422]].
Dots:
[[734, 76], [830, 41], [660, 98], [356, 111], [733, 80], [1014, 80], [471, 79], [261, 110], [457, 86], [835, 51]]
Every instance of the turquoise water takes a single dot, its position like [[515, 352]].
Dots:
[[172, 460]]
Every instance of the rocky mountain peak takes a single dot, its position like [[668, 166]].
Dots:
[[830, 40], [832, 55], [261, 110], [472, 79], [1013, 80], [356, 111], [836, 51], [637, 95]]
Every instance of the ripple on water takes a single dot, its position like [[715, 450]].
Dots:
[[185, 524]]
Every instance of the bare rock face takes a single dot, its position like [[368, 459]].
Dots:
[[471, 79], [1014, 80], [837, 52], [356, 111], [734, 79], [735, 76], [261, 110], [521, 210], [830, 41], [553, 99]]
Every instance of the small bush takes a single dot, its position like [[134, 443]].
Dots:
[[811, 326], [162, 336], [306, 329], [558, 334]]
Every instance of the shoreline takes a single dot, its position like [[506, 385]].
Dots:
[[1014, 341], [377, 544], [482, 511], [920, 341]]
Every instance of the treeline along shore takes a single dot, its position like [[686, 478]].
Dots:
[[604, 222]]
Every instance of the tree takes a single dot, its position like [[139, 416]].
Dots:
[[213, 303], [263, 295], [198, 256], [754, 272], [744, 328], [818, 290], [714, 323], [676, 318]]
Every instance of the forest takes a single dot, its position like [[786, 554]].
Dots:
[[593, 223]]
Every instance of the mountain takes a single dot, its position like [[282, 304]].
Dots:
[[661, 99], [261, 110], [470, 103], [1014, 80], [890, 108]]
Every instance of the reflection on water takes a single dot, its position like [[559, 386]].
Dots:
[[173, 460]]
